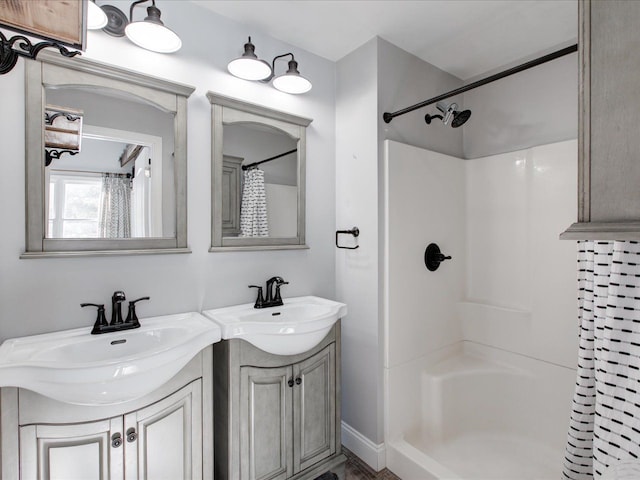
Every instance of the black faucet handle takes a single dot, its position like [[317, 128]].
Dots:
[[260, 300], [133, 302], [101, 320], [132, 318], [277, 298]]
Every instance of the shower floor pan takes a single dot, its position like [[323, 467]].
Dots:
[[486, 414], [487, 456]]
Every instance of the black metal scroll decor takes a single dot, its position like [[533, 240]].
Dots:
[[354, 231], [49, 117], [50, 155], [20, 46]]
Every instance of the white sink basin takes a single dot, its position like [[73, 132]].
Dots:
[[74, 366], [295, 327]]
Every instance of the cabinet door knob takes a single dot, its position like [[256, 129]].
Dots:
[[290, 382], [131, 435], [298, 381], [116, 440]]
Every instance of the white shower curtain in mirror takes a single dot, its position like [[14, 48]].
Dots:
[[115, 209], [604, 428], [253, 212]]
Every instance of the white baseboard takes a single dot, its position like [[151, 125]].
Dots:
[[370, 453]]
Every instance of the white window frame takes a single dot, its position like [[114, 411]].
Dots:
[[61, 179]]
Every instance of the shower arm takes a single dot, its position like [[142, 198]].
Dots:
[[387, 117], [428, 118]]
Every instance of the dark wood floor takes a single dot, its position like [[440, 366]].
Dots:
[[356, 469]]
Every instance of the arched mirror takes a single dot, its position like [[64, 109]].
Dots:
[[258, 176], [106, 160]]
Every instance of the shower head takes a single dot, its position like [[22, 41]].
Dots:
[[450, 114], [459, 118]]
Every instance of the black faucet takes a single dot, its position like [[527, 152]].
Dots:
[[116, 324], [116, 307], [273, 299]]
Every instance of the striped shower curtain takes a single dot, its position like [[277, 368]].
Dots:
[[604, 429], [253, 211]]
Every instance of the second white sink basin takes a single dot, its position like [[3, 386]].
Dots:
[[76, 367], [295, 327]]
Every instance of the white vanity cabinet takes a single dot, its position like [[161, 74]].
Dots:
[[163, 435], [285, 422]]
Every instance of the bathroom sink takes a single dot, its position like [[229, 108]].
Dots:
[[76, 367], [295, 327]]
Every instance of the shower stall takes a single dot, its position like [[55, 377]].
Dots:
[[480, 353]]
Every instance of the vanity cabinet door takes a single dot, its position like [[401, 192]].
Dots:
[[314, 408], [162, 441], [265, 423], [83, 451]]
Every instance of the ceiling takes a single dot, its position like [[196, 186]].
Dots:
[[463, 37]]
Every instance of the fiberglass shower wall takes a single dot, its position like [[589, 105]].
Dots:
[[511, 281]]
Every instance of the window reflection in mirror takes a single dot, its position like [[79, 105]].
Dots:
[[121, 182], [259, 200]]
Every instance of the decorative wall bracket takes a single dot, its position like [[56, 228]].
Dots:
[[50, 155], [21, 46], [66, 136]]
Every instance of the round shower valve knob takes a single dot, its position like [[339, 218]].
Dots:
[[433, 257]]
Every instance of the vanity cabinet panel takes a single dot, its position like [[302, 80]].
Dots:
[[277, 417], [161, 440], [157, 442], [609, 110], [83, 451], [265, 423], [314, 409]]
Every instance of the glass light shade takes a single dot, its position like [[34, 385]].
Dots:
[[153, 36], [292, 83], [96, 18], [249, 68]]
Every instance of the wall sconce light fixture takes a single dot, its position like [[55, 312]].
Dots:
[[250, 67], [150, 33]]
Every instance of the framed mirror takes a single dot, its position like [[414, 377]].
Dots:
[[106, 160], [258, 176]]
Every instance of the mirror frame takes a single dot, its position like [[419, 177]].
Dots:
[[55, 70], [228, 110]]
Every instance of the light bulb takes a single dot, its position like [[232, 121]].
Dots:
[[291, 83], [96, 18], [153, 36]]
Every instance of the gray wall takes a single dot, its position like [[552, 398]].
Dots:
[[241, 140], [43, 295], [535, 107], [376, 77], [357, 270], [404, 80]]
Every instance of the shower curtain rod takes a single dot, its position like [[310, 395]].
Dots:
[[255, 164], [387, 117]]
